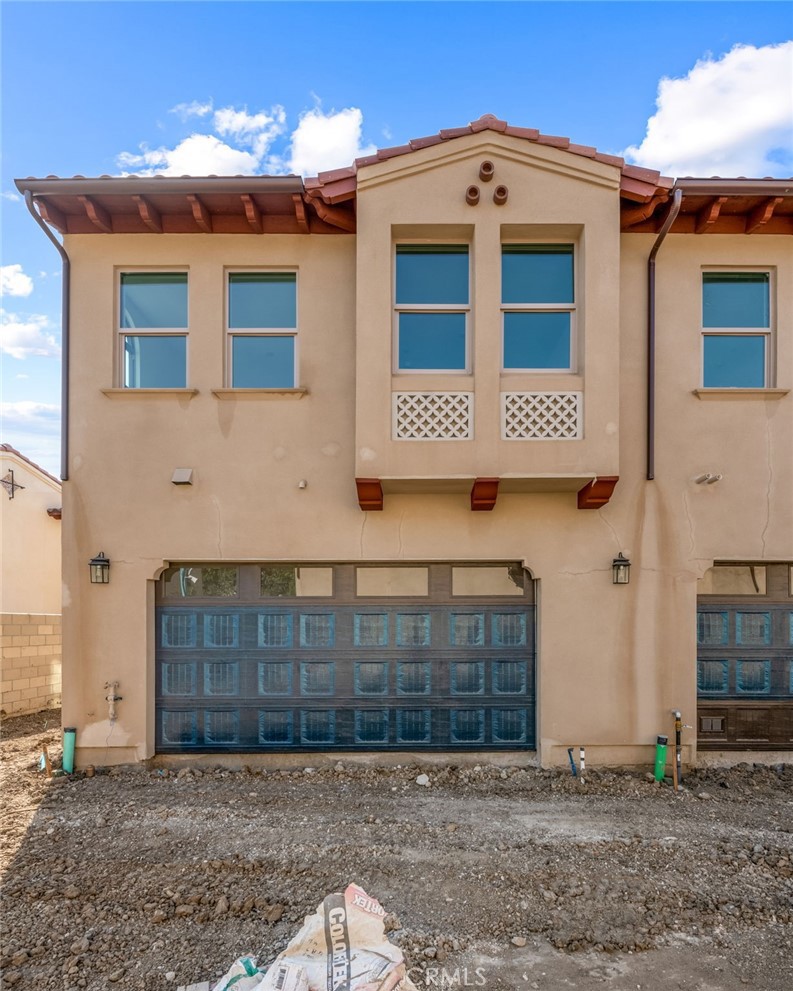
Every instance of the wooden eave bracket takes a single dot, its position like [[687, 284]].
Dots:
[[709, 214], [252, 213], [301, 214], [596, 494], [484, 493], [149, 214], [201, 215], [97, 214], [370, 494], [762, 213], [52, 215]]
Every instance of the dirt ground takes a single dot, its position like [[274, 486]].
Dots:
[[148, 879]]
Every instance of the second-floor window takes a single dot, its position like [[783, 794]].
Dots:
[[432, 306], [153, 330], [262, 329], [538, 305], [736, 328]]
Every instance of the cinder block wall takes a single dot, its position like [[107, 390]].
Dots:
[[30, 662]]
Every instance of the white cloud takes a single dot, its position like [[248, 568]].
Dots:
[[34, 429], [12, 197], [25, 336], [192, 109], [14, 282], [242, 143], [28, 413], [327, 141], [200, 154], [730, 116]]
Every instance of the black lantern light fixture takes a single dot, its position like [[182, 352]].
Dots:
[[620, 570], [99, 567]]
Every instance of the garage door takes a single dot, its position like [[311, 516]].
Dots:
[[745, 658], [345, 657]]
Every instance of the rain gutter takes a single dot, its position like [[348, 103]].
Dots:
[[141, 186], [65, 305], [674, 209]]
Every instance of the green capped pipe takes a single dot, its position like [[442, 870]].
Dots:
[[660, 757], [69, 736]]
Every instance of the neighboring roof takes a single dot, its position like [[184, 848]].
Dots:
[[325, 204], [8, 449]]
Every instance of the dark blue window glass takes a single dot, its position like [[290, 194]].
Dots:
[[153, 299], [431, 274], [753, 677], [371, 678], [712, 676], [259, 300], [537, 273], [179, 726], [509, 725], [735, 299], [275, 726], [432, 340], [413, 725], [155, 361], [266, 362], [371, 726], [536, 340], [734, 361]]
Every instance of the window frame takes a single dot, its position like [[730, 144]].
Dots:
[[122, 333], [232, 332], [399, 308], [570, 308], [767, 334]]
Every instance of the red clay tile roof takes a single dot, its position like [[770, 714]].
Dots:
[[638, 184], [12, 450]]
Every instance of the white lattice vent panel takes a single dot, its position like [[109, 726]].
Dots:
[[541, 415], [433, 415]]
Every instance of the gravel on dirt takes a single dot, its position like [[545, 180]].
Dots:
[[148, 878]]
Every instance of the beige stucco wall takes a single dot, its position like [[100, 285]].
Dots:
[[422, 196], [30, 576], [612, 661]]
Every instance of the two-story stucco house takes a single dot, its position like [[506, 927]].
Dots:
[[366, 452]]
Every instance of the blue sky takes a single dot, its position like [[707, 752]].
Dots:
[[95, 87]]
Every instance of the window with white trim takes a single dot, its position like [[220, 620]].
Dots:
[[538, 307], [153, 330], [432, 305], [736, 329], [262, 330]]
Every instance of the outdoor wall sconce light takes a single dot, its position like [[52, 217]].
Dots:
[[620, 570], [99, 567]]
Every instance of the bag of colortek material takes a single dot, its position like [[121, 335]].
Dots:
[[342, 947]]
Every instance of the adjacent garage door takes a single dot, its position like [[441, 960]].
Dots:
[[745, 658], [345, 657]]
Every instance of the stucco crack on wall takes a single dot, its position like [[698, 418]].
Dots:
[[769, 486], [216, 504], [363, 528], [399, 534], [611, 527]]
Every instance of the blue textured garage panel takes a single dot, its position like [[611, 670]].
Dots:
[[247, 663]]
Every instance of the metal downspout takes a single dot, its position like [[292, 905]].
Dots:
[[674, 209], [65, 300]]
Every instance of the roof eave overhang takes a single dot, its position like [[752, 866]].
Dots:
[[161, 185]]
